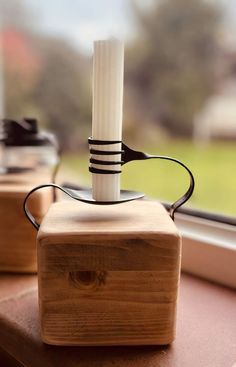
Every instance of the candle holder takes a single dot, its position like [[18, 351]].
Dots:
[[128, 155], [108, 274], [26, 160]]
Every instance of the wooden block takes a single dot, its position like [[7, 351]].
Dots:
[[17, 235], [108, 275]]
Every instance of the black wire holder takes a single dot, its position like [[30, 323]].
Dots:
[[125, 155]]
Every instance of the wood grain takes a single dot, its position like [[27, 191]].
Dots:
[[108, 275], [17, 235]]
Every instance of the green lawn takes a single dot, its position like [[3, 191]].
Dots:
[[214, 168]]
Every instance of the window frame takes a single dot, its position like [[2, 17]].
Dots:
[[216, 217], [208, 246]]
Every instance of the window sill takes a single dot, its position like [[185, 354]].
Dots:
[[204, 323]]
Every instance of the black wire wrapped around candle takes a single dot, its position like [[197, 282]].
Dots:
[[104, 162], [127, 155]]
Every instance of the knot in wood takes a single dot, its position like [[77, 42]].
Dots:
[[88, 279]]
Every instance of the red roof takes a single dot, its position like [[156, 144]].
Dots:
[[18, 52]]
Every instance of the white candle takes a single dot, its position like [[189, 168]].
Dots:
[[108, 75]]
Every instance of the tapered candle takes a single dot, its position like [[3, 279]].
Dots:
[[108, 75]]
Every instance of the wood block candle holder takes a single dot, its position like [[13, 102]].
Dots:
[[17, 237], [28, 157], [108, 275]]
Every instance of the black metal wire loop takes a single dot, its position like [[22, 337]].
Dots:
[[105, 152], [102, 142], [132, 155], [105, 163], [104, 171], [25, 206]]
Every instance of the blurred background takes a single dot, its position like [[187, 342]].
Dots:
[[180, 86]]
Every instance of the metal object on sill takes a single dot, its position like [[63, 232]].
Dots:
[[26, 149], [127, 155]]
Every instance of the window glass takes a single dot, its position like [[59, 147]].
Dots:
[[180, 86]]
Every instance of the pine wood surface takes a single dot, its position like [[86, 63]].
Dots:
[[17, 235], [205, 337], [108, 275]]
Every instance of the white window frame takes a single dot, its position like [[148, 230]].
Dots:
[[208, 248]]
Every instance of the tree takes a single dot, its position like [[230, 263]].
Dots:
[[171, 65], [44, 77], [62, 93], [16, 22]]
